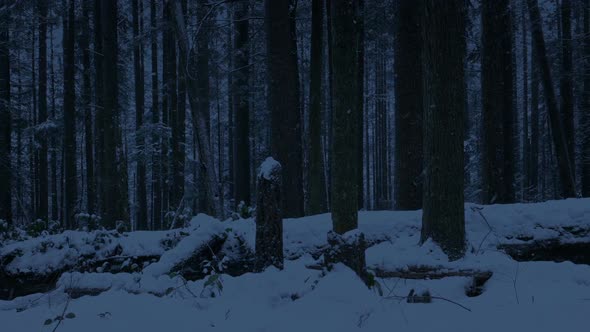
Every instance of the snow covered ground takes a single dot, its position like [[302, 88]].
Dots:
[[525, 296]]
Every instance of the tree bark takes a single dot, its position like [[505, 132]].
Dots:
[[241, 103], [565, 170], [345, 126], [5, 117], [284, 102], [42, 211], [98, 102], [317, 182], [408, 107], [156, 158], [70, 177], [141, 191], [360, 42], [87, 102], [113, 172], [566, 90], [586, 104], [269, 216], [443, 33], [498, 102]]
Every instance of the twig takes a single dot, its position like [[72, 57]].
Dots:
[[514, 282], [62, 314]]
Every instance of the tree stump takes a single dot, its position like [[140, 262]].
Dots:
[[269, 219], [348, 249]]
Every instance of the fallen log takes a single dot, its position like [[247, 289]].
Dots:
[[552, 250]]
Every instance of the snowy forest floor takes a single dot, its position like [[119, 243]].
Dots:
[[520, 296]]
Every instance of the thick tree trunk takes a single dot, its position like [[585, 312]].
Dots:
[[179, 134], [566, 90], [71, 180], [565, 168], [408, 107], [345, 126], [498, 102], [317, 182], [360, 42], [241, 103], [284, 102], [534, 148], [586, 105], [526, 145], [200, 122], [5, 118], [269, 216], [443, 31], [42, 211], [141, 192], [381, 179]]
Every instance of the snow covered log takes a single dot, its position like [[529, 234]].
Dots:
[[269, 218], [549, 250]]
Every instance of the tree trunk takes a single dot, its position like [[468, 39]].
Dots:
[[99, 116], [141, 191], [382, 199], [345, 126], [283, 102], [317, 182], [87, 102], [526, 145], [269, 218], [443, 31], [586, 105], [240, 103], [5, 118], [565, 170], [566, 90], [42, 211], [71, 180], [156, 158], [498, 102], [200, 122], [360, 42], [113, 170], [408, 107]]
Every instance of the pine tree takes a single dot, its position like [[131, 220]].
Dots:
[[498, 102], [284, 102], [87, 102], [408, 106], [70, 176], [443, 33], [5, 116], [345, 126], [240, 103], [42, 211]]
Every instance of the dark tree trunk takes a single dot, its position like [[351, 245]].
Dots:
[[283, 102], [141, 191], [345, 126], [168, 71], [382, 180], [408, 107], [269, 218], [98, 103], [360, 42], [87, 102], [203, 100], [534, 148], [526, 160], [566, 173], [5, 118], [156, 158], [498, 102], [317, 182], [240, 104], [70, 176], [42, 211], [443, 218], [566, 90], [54, 143], [586, 105], [113, 170], [179, 133]]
